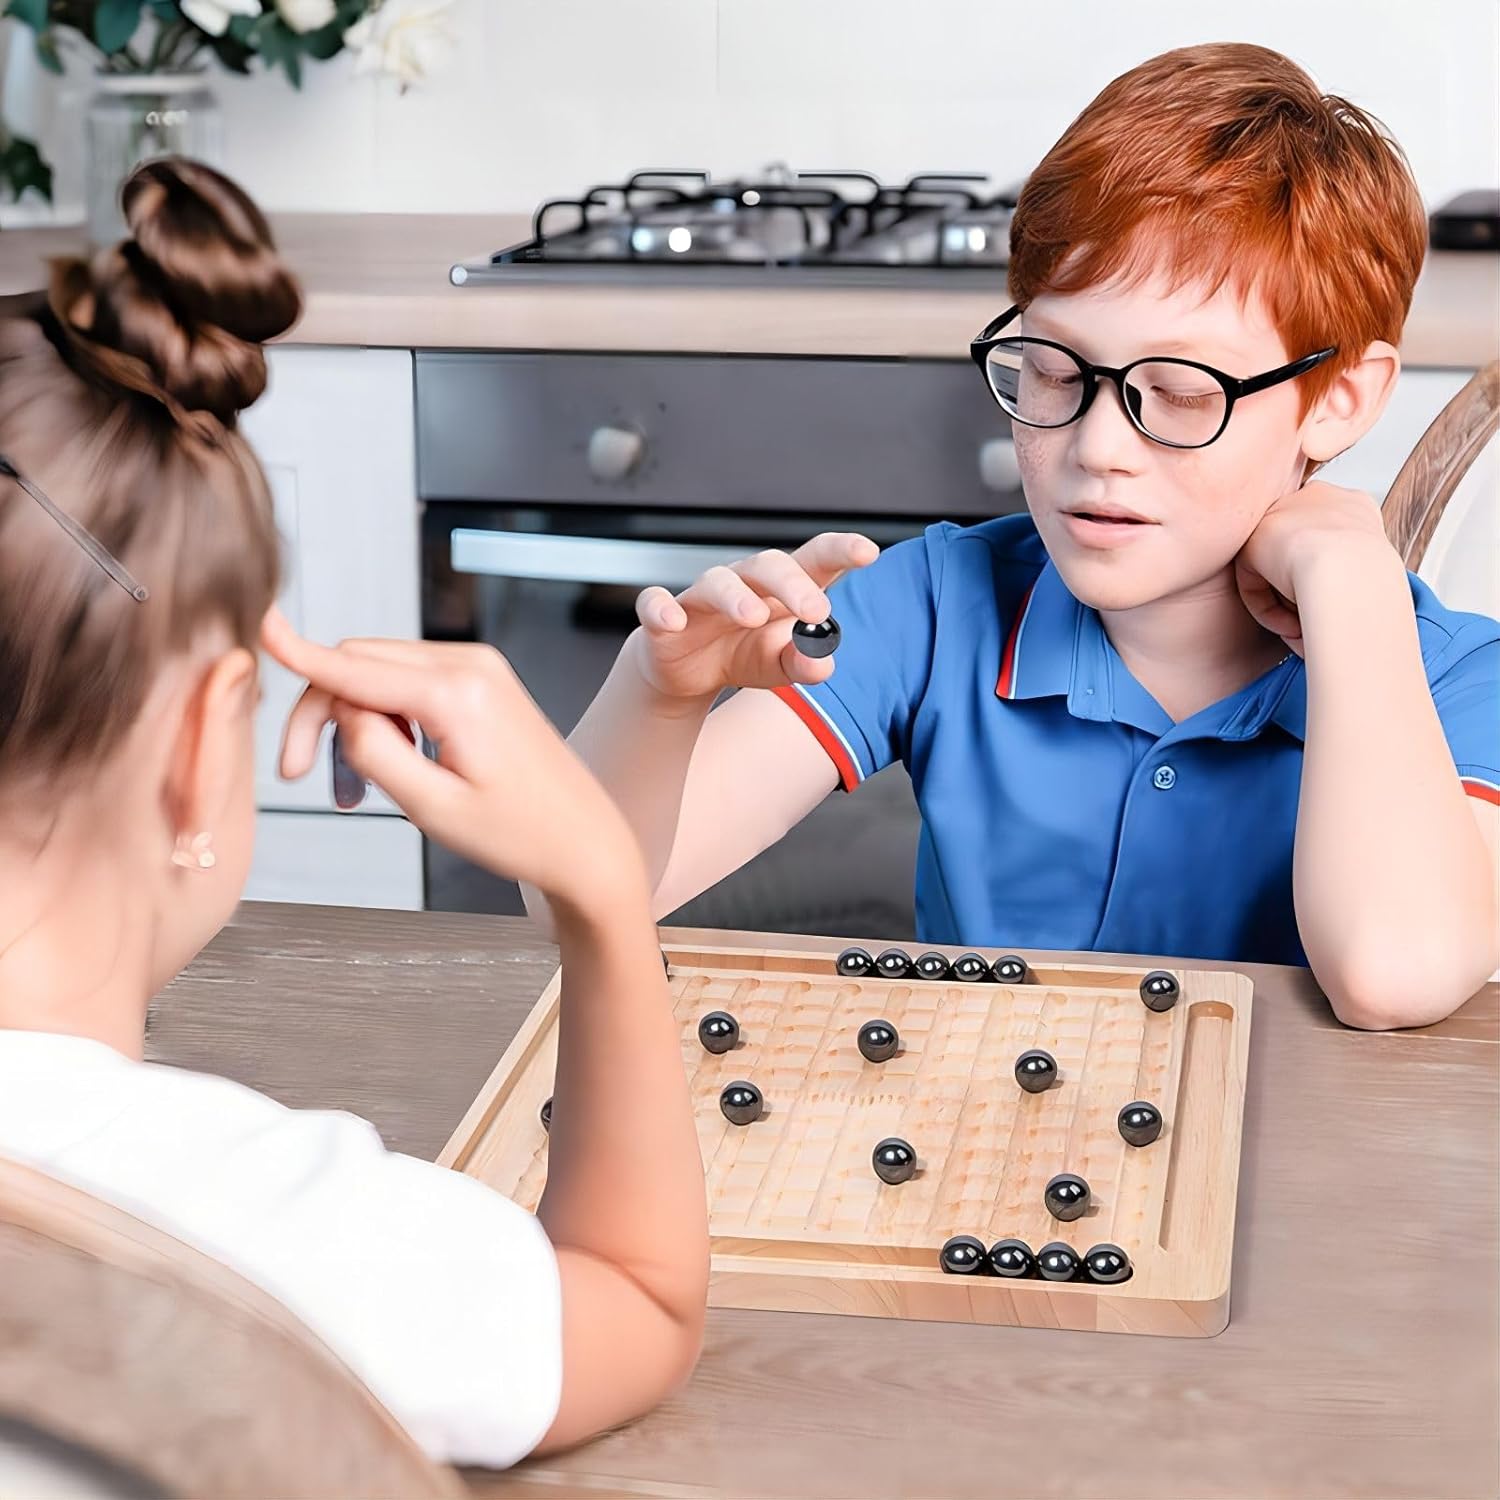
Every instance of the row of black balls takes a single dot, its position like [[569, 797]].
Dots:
[[1159, 988], [965, 1255]]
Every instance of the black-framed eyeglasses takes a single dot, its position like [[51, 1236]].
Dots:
[[85, 539], [1179, 403]]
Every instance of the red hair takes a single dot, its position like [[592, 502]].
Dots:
[[1225, 163]]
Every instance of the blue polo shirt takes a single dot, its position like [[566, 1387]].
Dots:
[[1061, 806]]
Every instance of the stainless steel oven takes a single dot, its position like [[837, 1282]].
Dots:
[[556, 486]]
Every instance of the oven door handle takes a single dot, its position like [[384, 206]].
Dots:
[[585, 559]]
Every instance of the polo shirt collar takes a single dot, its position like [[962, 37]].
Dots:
[[1057, 647]]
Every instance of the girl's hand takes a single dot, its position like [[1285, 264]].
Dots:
[[505, 790], [733, 626]]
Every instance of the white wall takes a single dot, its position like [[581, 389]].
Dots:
[[543, 97]]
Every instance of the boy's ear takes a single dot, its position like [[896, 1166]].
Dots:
[[1350, 407], [205, 758]]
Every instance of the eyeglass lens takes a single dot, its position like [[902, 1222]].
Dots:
[[1046, 387]]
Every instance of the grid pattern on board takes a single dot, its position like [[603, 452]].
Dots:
[[985, 1147]]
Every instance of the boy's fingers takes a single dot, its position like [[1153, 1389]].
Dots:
[[777, 576], [658, 610], [722, 591], [828, 556], [805, 669]]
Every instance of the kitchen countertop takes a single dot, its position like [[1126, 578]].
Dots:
[[1360, 1355], [382, 279]]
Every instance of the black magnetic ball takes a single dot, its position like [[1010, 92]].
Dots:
[[894, 1160], [1008, 969], [718, 1031], [971, 969], [1012, 1258], [878, 1041], [1057, 1262], [1066, 1196], [821, 639], [741, 1102], [933, 966], [1036, 1070], [546, 1113], [1107, 1264], [1140, 1123], [854, 963], [666, 963], [894, 963], [1160, 990], [963, 1255]]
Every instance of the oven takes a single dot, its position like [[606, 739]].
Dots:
[[555, 486]]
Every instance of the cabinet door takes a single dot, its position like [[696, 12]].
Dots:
[[334, 859], [336, 434]]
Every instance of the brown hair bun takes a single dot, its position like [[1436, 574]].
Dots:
[[178, 311]]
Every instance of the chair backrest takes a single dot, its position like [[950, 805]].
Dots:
[[122, 1342], [1448, 471]]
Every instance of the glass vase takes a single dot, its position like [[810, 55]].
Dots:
[[134, 117]]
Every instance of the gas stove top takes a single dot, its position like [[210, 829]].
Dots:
[[807, 228]]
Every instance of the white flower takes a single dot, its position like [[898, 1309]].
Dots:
[[401, 38], [213, 16], [307, 15]]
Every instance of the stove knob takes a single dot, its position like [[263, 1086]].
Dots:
[[614, 452], [998, 469]]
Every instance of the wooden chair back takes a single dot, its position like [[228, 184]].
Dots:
[[121, 1342], [1435, 471]]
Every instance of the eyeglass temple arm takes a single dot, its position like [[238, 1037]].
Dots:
[[106, 560], [1286, 372]]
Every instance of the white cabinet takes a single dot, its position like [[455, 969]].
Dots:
[[336, 435]]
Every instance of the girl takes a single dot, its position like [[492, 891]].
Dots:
[[138, 562]]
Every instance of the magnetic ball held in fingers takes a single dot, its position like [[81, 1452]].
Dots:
[[1160, 990], [817, 640], [718, 1031]]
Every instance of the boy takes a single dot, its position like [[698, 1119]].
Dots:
[[1192, 704]]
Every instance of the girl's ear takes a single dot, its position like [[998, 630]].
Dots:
[[1352, 405], [205, 758]]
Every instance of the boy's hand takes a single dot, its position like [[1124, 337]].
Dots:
[[505, 790], [733, 626], [1301, 530]]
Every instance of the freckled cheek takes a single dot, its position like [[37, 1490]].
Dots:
[[1038, 456]]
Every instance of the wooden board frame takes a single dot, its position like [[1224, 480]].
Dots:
[[1171, 1205]]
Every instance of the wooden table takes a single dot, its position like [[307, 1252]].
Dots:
[[1361, 1356]]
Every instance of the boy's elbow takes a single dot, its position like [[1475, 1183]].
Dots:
[[1376, 990]]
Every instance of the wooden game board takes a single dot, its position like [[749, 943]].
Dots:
[[800, 1222]]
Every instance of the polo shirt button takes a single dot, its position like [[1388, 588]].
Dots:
[[1164, 779]]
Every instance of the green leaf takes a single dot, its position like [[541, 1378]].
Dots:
[[325, 43], [115, 22], [232, 54], [32, 13], [165, 11], [23, 170], [47, 53]]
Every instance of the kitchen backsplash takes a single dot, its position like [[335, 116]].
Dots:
[[547, 96]]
